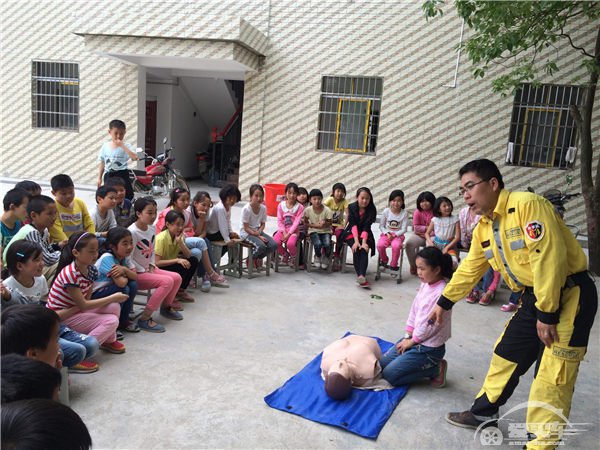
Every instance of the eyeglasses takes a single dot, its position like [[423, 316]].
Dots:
[[468, 187]]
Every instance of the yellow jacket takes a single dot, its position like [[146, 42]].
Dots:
[[69, 221], [531, 248]]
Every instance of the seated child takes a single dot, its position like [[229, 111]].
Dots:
[[171, 254], [31, 330], [15, 213], [103, 214], [289, 217], [73, 215], [123, 211], [318, 219], [114, 156], [199, 213], [421, 220], [72, 287], [350, 361], [420, 353], [42, 213], [165, 284], [358, 235], [39, 423], [180, 201], [116, 273], [338, 205], [303, 200], [254, 218], [24, 378], [393, 224], [219, 223], [26, 286], [446, 228]]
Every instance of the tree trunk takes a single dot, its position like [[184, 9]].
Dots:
[[590, 187]]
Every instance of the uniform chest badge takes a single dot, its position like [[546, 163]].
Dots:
[[535, 230]]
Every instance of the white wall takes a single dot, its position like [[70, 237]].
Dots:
[[212, 98]]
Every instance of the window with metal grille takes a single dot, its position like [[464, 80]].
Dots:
[[55, 95], [542, 130], [349, 114]]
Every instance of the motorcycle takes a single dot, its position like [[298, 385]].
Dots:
[[159, 177], [558, 200]]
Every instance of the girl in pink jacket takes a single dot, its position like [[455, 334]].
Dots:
[[289, 217]]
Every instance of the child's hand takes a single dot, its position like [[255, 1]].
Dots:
[[184, 263], [365, 246], [262, 238], [355, 247], [429, 243], [119, 297], [391, 236], [61, 244], [233, 235], [4, 292], [151, 268], [404, 345], [445, 250], [116, 271]]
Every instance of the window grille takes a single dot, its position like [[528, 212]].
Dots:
[[349, 114], [55, 95], [542, 130]]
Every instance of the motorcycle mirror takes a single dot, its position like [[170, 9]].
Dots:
[[165, 140]]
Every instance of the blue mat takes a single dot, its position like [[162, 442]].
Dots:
[[364, 413]]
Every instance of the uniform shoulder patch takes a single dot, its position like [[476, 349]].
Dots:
[[534, 230]]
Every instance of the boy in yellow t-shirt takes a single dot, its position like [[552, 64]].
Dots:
[[71, 213], [338, 205]]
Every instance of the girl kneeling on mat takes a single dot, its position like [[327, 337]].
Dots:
[[420, 353]]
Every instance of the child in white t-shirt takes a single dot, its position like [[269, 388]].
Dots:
[[254, 218]]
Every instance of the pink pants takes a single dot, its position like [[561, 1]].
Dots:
[[100, 322], [290, 245], [396, 243], [165, 283]]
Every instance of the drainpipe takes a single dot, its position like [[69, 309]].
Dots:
[[462, 31], [262, 124]]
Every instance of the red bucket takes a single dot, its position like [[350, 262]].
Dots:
[[274, 194]]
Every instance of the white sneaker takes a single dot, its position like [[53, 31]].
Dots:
[[324, 263], [317, 261], [206, 285]]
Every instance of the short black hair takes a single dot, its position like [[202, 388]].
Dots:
[[30, 186], [21, 251], [15, 197], [425, 196], [339, 186], [116, 123], [61, 181], [24, 378], [434, 257], [172, 216], [114, 236], [484, 169], [103, 191], [315, 193], [397, 193], [256, 187], [38, 204], [42, 423], [292, 186], [230, 190], [25, 327], [114, 182], [142, 202], [438, 203]]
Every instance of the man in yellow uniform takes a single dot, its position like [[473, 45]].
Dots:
[[520, 235]]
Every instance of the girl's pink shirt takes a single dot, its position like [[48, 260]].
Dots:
[[296, 217], [421, 220], [188, 227], [417, 323]]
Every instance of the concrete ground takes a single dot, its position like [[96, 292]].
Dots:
[[201, 384]]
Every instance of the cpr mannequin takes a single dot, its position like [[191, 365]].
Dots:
[[350, 361]]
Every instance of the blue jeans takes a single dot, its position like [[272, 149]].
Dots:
[[197, 245], [126, 307], [260, 248], [76, 346], [415, 363], [321, 243]]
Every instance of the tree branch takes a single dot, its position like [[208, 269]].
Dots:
[[581, 49]]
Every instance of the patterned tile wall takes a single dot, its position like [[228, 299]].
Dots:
[[427, 131]]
